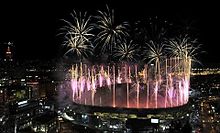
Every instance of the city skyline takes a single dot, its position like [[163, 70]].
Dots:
[[33, 27], [109, 66]]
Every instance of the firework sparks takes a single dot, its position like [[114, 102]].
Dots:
[[78, 47], [154, 52], [166, 80], [126, 51], [183, 47], [109, 32], [78, 35], [80, 28]]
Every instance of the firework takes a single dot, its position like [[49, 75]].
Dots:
[[78, 47], [183, 47], [154, 51], [126, 51], [110, 33], [91, 86], [80, 27], [163, 82], [77, 35]]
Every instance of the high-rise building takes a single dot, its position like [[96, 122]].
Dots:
[[8, 54]]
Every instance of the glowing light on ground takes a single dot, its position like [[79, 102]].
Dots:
[[132, 86]]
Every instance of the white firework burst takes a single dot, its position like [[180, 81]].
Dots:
[[79, 47], [126, 51], [110, 33], [153, 52], [80, 27], [183, 47]]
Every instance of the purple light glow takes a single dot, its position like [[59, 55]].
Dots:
[[132, 86]]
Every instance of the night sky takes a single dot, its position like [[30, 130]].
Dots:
[[33, 26]]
